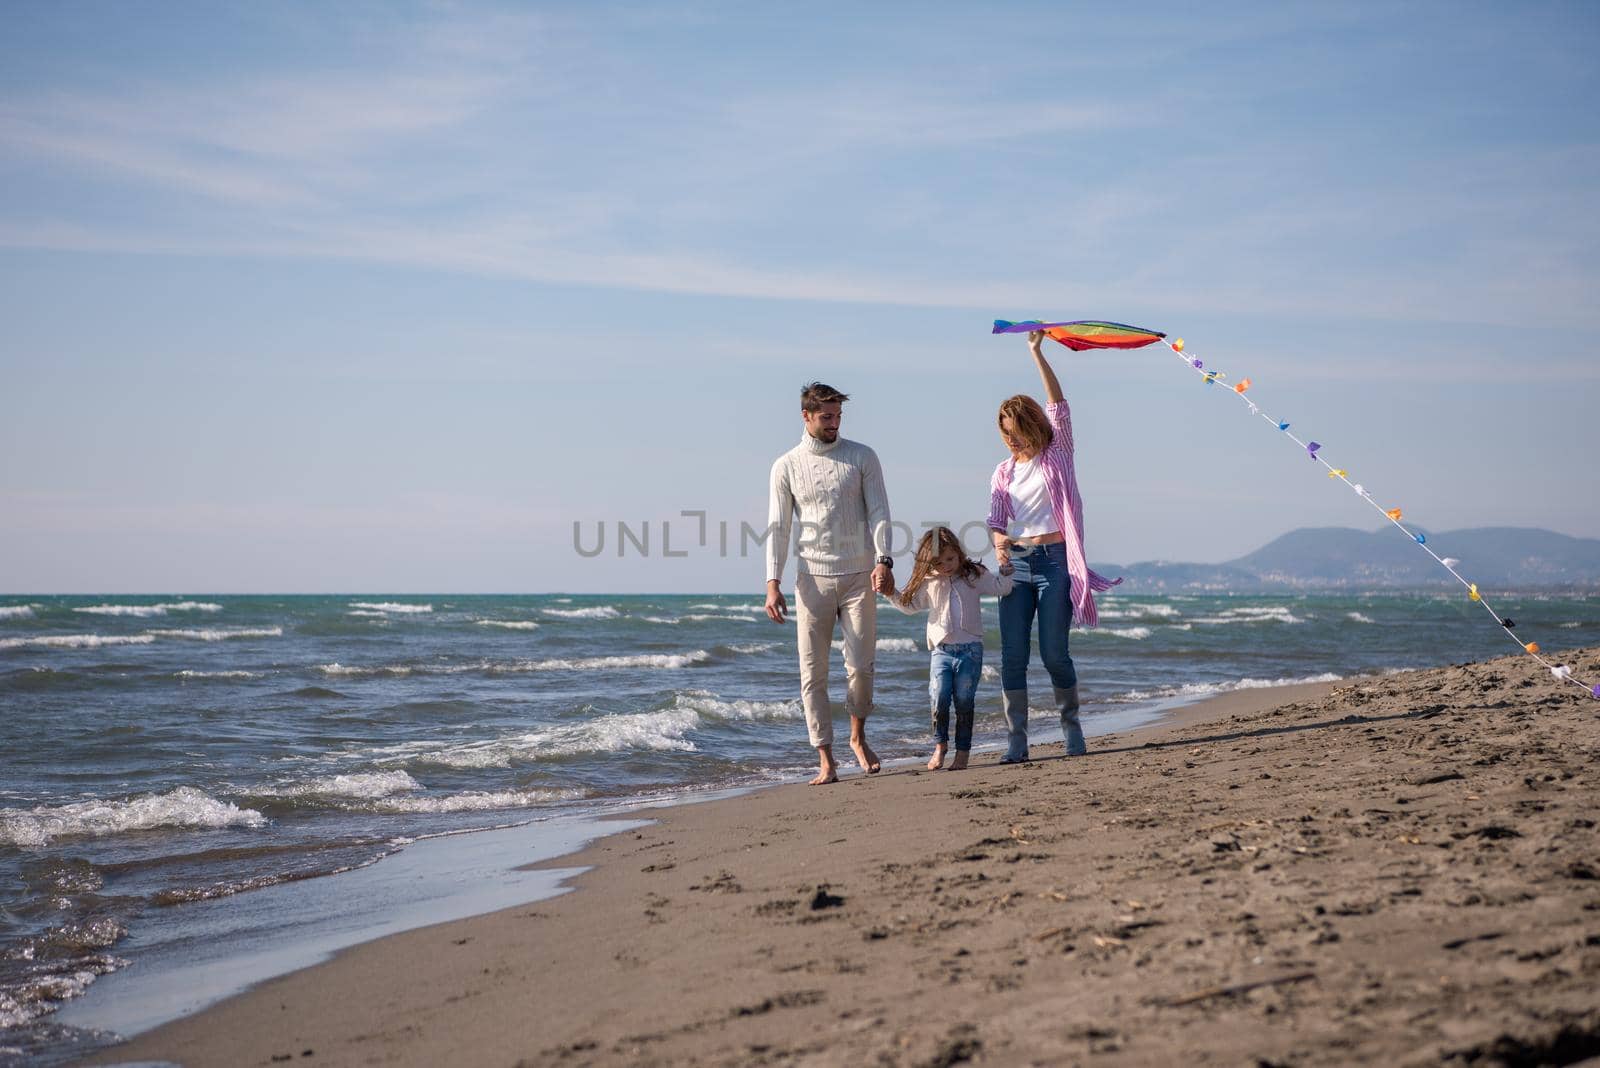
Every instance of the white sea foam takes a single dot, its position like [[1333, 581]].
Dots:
[[1136, 633], [1207, 689], [753, 647], [1124, 610], [367, 613], [1251, 614], [475, 801], [603, 611], [1359, 617], [219, 675], [660, 731], [657, 619], [392, 606], [15, 611], [144, 610], [753, 609], [608, 663], [183, 807], [892, 645], [669, 661], [1571, 626], [362, 786], [710, 706], [508, 624], [700, 617], [219, 634], [75, 641]]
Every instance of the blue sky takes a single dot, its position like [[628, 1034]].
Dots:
[[307, 297]]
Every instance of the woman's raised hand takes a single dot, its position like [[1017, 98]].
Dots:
[[1035, 339]]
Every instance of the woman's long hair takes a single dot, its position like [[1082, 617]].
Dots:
[[1028, 421], [932, 546]]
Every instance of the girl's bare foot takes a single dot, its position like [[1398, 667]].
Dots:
[[936, 761], [960, 762]]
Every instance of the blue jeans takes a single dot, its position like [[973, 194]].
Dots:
[[953, 674], [1042, 587]]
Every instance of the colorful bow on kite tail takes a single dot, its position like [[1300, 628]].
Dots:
[[1097, 335]]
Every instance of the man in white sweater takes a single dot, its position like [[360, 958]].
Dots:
[[841, 560]]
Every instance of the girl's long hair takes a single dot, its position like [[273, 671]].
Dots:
[[932, 546]]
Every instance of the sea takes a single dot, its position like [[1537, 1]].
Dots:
[[167, 762]]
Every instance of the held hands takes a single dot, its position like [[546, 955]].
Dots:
[[883, 580], [777, 607]]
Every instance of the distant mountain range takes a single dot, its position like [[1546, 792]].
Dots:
[[1341, 558]]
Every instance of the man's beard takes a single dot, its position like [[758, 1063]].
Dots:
[[827, 434]]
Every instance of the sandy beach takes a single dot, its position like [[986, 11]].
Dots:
[[1400, 870]]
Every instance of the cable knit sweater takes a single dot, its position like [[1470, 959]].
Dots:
[[837, 491]]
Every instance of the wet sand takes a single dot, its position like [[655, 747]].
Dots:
[[1398, 870]]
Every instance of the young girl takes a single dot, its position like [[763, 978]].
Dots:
[[946, 584]]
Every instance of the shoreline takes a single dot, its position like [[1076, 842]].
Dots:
[[241, 949], [694, 939]]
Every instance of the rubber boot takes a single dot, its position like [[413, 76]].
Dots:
[[1071, 729], [1015, 703]]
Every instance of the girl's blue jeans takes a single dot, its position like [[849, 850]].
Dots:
[[953, 673], [1041, 587]]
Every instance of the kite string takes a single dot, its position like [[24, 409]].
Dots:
[[1531, 649]]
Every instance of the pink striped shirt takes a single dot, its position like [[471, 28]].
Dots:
[[1062, 481]]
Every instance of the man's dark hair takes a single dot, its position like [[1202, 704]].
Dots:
[[815, 394]]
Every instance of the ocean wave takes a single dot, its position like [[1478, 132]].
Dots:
[[710, 706], [219, 634], [753, 609], [701, 617], [603, 611], [15, 611], [185, 807], [1119, 610], [146, 610], [1136, 633], [361, 786], [75, 641], [218, 674], [1570, 626], [748, 648], [475, 801], [367, 613], [1207, 689], [508, 624], [1251, 614], [1359, 617], [392, 606], [659, 731], [512, 667], [51, 983], [892, 645]]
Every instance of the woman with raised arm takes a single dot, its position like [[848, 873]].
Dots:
[[1036, 521]]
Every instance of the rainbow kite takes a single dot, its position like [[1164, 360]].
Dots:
[[1086, 334], [1096, 335]]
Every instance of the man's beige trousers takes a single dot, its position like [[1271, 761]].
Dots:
[[821, 601]]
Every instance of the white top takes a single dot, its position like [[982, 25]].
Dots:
[[837, 490], [955, 616], [1031, 513]]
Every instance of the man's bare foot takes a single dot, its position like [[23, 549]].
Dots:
[[827, 767], [960, 762], [825, 776], [865, 755], [936, 761]]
